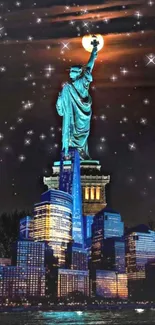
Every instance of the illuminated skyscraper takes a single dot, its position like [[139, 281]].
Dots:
[[76, 258], [114, 254], [29, 254], [140, 249], [26, 228], [53, 222], [107, 224], [20, 281], [70, 182]]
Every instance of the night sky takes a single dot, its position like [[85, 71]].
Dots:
[[39, 41]]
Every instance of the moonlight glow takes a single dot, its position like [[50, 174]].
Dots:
[[86, 42]]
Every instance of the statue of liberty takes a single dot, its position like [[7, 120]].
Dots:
[[74, 104]]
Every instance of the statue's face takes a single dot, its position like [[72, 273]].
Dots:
[[74, 74]]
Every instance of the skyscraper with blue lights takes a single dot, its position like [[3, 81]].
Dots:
[[70, 182], [107, 224]]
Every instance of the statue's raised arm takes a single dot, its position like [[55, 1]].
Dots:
[[92, 59]]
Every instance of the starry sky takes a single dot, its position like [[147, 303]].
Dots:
[[39, 41]]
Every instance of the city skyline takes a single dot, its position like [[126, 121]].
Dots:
[[38, 44]]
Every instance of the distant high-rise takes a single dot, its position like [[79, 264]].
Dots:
[[76, 258], [29, 254], [114, 254], [140, 249], [107, 224], [18, 281], [26, 277], [53, 222], [26, 228]]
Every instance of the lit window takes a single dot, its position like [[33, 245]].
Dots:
[[86, 193], [92, 193], [98, 189]]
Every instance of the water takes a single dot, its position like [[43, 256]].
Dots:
[[76, 318]]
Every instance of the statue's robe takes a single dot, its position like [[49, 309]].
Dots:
[[74, 104]]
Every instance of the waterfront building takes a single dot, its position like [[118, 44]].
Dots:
[[17, 281], [26, 228], [111, 284], [149, 283], [53, 222], [106, 224], [140, 250], [114, 254], [29, 254], [93, 184], [72, 282]]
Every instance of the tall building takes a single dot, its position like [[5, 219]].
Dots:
[[93, 183], [29, 254], [107, 224], [70, 182], [18, 281], [110, 284], [73, 282], [53, 222], [114, 254], [140, 249], [26, 228], [150, 281], [76, 258], [88, 221]]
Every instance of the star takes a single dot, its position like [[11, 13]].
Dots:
[[113, 78], [125, 119], [2, 69], [146, 101], [65, 46], [102, 139], [21, 158], [39, 20], [103, 117], [49, 68], [18, 4], [20, 119], [143, 121], [151, 59], [132, 146], [138, 14], [150, 3], [1, 136], [28, 105], [124, 71], [30, 132], [106, 20], [27, 142], [42, 136]]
